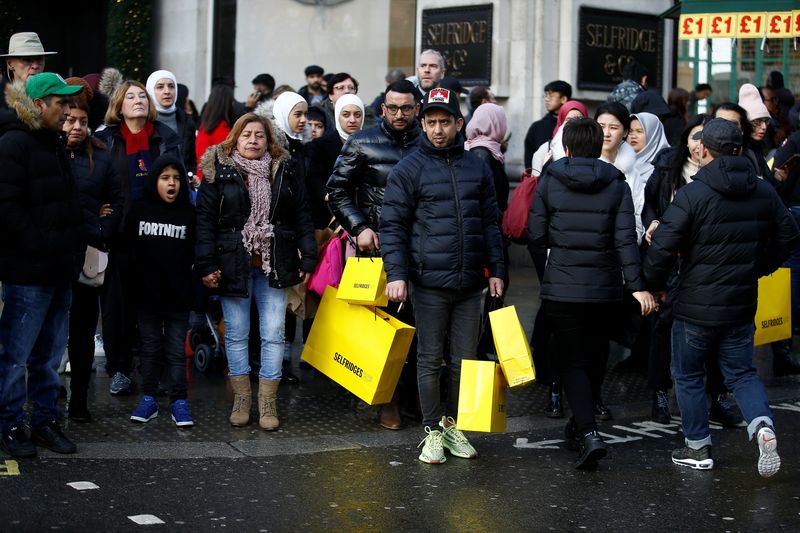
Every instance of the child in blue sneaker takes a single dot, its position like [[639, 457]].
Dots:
[[162, 231]]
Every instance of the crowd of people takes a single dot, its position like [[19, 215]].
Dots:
[[121, 203]]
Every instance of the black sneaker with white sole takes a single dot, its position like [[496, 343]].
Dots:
[[697, 459]]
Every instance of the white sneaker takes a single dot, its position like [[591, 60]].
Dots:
[[768, 460], [432, 452]]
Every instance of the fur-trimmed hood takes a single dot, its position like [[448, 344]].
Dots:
[[110, 79], [26, 111], [215, 154]]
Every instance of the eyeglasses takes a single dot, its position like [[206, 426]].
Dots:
[[393, 109], [757, 123], [340, 88]]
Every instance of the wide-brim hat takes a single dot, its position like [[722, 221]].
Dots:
[[25, 44]]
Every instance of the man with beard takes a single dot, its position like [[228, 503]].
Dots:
[[430, 71], [312, 91], [356, 186]]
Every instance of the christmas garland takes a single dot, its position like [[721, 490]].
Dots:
[[129, 37]]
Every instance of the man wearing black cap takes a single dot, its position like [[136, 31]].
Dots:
[[312, 90], [729, 228], [42, 242], [438, 229]]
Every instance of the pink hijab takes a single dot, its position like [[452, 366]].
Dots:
[[566, 108], [487, 128]]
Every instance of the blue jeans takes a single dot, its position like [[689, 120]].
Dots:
[[271, 305], [733, 346], [439, 313], [33, 336]]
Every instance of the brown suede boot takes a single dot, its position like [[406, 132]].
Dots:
[[242, 400], [268, 404]]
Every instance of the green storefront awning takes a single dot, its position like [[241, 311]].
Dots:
[[728, 6]]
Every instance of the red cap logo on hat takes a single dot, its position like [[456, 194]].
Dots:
[[439, 96]]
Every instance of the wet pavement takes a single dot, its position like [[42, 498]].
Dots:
[[331, 467]]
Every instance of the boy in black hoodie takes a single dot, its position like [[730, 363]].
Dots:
[[162, 232]]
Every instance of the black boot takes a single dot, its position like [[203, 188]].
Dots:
[[555, 407], [287, 376], [660, 411], [783, 362], [592, 450]]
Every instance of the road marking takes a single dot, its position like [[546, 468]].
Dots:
[[146, 519], [787, 406], [540, 445], [82, 485], [9, 468], [616, 439]]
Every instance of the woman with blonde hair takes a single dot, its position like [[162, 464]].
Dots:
[[135, 139], [255, 238]]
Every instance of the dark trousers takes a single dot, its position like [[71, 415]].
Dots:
[[546, 366], [658, 368], [439, 312], [118, 313], [161, 337], [83, 315], [581, 336]]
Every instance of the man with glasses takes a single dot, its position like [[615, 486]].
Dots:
[[556, 94], [356, 187]]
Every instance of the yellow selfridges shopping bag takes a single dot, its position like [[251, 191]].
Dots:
[[512, 347], [361, 348], [481, 397], [364, 282], [774, 314]]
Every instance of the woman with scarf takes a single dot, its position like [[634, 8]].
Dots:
[[135, 139], [254, 239], [647, 139], [289, 119], [162, 87], [551, 150], [321, 154]]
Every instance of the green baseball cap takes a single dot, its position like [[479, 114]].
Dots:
[[49, 83]]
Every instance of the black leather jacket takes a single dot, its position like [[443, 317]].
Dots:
[[358, 181], [223, 207]]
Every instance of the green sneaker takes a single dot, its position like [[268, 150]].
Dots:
[[454, 440], [432, 452]]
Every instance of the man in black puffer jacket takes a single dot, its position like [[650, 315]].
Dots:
[[356, 187], [730, 228], [41, 251], [439, 230], [358, 181]]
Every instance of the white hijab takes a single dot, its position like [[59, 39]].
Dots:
[[655, 142], [152, 79], [626, 163], [344, 100], [283, 108]]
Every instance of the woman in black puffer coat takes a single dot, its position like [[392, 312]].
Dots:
[[255, 238], [102, 201]]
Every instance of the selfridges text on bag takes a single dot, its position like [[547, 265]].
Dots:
[[363, 282], [774, 314], [361, 348]]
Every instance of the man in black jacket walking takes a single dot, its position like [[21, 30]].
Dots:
[[356, 187], [439, 230], [42, 243], [730, 228]]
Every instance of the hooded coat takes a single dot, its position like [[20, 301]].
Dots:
[[43, 237], [583, 213], [162, 237], [223, 207], [730, 228]]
